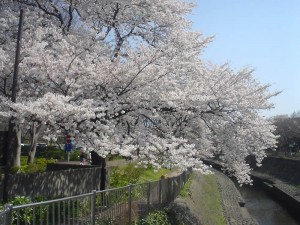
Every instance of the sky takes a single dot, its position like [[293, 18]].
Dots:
[[260, 34]]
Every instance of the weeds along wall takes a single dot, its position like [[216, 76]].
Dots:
[[55, 184]]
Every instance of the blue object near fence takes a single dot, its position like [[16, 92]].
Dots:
[[68, 147]]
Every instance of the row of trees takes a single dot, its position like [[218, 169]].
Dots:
[[126, 77], [288, 130]]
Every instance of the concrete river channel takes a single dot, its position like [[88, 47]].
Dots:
[[264, 209]]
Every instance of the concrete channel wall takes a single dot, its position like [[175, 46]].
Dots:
[[285, 169], [278, 177], [284, 193]]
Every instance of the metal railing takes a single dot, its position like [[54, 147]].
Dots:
[[6, 215], [113, 206]]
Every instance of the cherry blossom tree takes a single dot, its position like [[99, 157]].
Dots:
[[126, 77]]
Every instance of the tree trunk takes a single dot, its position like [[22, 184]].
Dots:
[[12, 155], [17, 161], [35, 132], [13, 148], [32, 151]]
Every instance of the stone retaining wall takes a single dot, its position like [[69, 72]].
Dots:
[[55, 183]]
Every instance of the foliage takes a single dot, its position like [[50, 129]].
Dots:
[[24, 216], [74, 155], [132, 174], [126, 78], [103, 221], [39, 165], [41, 214], [54, 154], [159, 217], [122, 176], [151, 174], [288, 129], [212, 209]]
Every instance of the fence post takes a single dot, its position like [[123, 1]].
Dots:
[[129, 202], [159, 192], [169, 193], [174, 191], [93, 208], [180, 181], [8, 220], [148, 197]]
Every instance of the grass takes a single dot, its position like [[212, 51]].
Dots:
[[130, 174], [211, 202], [159, 217], [150, 175], [185, 192]]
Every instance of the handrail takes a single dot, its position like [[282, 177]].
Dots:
[[97, 205]]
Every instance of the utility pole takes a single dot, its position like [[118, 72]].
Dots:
[[10, 151]]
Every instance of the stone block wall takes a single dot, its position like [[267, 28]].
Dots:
[[54, 184]]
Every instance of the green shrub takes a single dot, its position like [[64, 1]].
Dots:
[[159, 217], [24, 216], [41, 214], [104, 221], [130, 174], [122, 176], [74, 155], [24, 160], [39, 165], [53, 153]]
